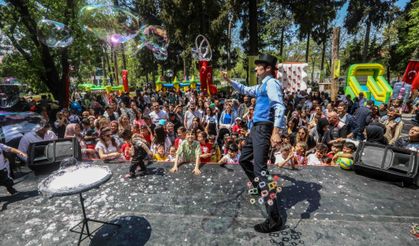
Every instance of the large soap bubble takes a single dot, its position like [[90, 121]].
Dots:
[[155, 38], [202, 50], [111, 24], [54, 34]]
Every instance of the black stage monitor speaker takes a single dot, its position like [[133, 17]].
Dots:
[[52, 152], [388, 162]]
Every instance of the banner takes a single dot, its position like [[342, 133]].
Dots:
[[125, 80]]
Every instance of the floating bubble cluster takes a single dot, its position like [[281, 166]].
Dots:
[[54, 34], [111, 24], [156, 40]]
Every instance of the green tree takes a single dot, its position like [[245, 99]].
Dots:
[[371, 13]]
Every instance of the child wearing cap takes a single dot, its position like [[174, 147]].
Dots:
[[237, 125]]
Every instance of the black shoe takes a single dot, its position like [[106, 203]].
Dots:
[[269, 226]]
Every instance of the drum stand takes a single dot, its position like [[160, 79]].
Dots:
[[84, 224]]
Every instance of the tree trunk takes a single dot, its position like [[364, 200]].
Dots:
[[49, 75], [124, 58], [308, 46], [253, 30], [366, 42], [281, 45], [322, 60]]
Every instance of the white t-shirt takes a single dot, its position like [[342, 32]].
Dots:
[[155, 117], [109, 149], [32, 137], [312, 160]]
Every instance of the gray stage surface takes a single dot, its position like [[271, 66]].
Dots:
[[324, 206]]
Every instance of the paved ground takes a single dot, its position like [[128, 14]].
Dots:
[[324, 206]]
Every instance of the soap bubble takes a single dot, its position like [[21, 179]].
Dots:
[[156, 40], [169, 73], [202, 50], [53, 34], [111, 24]]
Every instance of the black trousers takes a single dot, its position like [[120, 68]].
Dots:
[[257, 149], [6, 181]]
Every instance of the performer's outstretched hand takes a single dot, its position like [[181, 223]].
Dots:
[[196, 171], [224, 74], [173, 170]]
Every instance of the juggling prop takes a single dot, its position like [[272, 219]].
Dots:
[[293, 76]]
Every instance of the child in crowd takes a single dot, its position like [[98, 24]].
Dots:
[[232, 157], [172, 154], [283, 156], [126, 146], [227, 141], [5, 179], [317, 158], [336, 147], [300, 158], [181, 135], [139, 151], [160, 154], [206, 148], [345, 158], [216, 149], [188, 151]]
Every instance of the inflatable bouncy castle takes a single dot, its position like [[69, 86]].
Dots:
[[368, 78]]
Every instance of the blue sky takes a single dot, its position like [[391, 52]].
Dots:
[[342, 13]]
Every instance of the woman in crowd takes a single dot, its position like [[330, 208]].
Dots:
[[123, 124], [107, 147], [227, 117], [303, 136], [73, 130]]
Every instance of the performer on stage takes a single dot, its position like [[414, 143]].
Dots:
[[268, 119], [5, 179]]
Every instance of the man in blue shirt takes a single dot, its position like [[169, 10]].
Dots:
[[268, 120]]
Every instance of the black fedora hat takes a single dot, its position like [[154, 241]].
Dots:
[[267, 59]]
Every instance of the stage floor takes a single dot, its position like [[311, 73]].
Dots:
[[324, 205]]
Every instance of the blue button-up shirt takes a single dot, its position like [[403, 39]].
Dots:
[[275, 94]]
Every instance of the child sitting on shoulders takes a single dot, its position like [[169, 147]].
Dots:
[[160, 155], [318, 158], [232, 157], [345, 158]]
